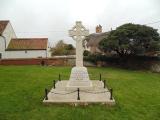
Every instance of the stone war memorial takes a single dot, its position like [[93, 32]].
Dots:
[[79, 89]]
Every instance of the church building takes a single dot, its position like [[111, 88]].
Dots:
[[13, 47]]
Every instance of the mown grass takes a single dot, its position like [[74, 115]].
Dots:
[[137, 95]]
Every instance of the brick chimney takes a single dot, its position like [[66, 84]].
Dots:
[[98, 29]]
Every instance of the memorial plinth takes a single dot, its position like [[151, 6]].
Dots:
[[79, 78]]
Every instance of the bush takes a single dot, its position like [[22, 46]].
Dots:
[[86, 53], [131, 62], [98, 57]]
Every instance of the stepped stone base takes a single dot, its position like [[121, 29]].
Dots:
[[83, 84], [97, 94]]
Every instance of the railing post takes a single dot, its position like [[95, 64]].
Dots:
[[54, 84], [78, 97], [59, 77], [111, 94], [100, 77], [104, 83], [46, 94]]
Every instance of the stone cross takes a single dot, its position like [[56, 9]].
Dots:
[[78, 33]]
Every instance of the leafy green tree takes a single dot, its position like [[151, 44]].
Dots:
[[70, 47], [62, 48], [86, 53], [131, 39]]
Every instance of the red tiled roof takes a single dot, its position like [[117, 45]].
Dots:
[[3, 24], [28, 44]]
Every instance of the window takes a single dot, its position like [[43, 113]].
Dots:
[[0, 55]]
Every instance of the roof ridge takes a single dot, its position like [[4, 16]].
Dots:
[[30, 38], [4, 21]]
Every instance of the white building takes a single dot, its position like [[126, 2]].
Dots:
[[13, 47]]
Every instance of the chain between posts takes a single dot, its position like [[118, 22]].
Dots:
[[94, 92], [64, 93], [78, 90], [78, 93]]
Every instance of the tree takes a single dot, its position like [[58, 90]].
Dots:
[[131, 39], [70, 47], [62, 48], [86, 53]]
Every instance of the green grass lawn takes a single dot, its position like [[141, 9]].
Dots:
[[137, 95]]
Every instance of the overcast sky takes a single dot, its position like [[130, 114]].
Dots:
[[53, 18]]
